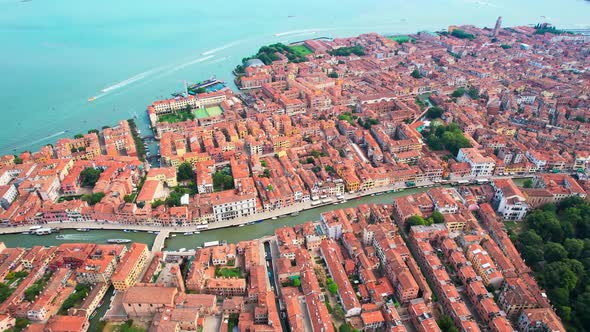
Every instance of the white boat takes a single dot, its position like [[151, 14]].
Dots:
[[60, 237], [83, 229], [118, 241], [32, 228], [241, 225], [188, 233], [197, 232], [151, 232], [126, 231], [173, 235], [274, 218]]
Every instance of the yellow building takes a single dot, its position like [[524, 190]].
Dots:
[[131, 265]]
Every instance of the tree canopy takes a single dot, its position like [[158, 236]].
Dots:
[[90, 176], [185, 172], [447, 137], [555, 243]]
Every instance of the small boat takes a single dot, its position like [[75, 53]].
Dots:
[[83, 229], [60, 237], [93, 314], [151, 232], [173, 235], [26, 233], [135, 231], [126, 231], [197, 232], [274, 218], [91, 99], [372, 194], [156, 233], [118, 241], [241, 225], [188, 233], [259, 221]]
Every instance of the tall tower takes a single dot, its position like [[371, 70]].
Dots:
[[498, 26]]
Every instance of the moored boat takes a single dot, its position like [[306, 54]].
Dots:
[[118, 241]]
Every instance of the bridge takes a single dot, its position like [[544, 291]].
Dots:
[[160, 241]]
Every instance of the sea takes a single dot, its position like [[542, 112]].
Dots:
[[56, 54]]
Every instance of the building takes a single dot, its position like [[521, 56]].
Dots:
[[539, 320], [131, 265], [481, 167], [147, 300], [510, 202]]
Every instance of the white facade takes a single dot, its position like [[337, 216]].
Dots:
[[235, 209], [481, 166], [511, 207], [9, 196]]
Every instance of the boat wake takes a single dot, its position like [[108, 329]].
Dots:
[[48, 137], [295, 32], [221, 48], [190, 63], [40, 140], [132, 79], [303, 34], [217, 60]]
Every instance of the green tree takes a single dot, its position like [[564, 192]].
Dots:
[[559, 274], [434, 112], [445, 323], [90, 176], [582, 306], [458, 93], [574, 247], [528, 183], [554, 252], [185, 172], [157, 203], [92, 199], [437, 217], [416, 74], [296, 282], [78, 136], [332, 287], [93, 131]]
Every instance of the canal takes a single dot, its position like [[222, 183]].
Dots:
[[230, 235], [73, 236]]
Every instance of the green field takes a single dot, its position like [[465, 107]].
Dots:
[[400, 39], [201, 113], [300, 50]]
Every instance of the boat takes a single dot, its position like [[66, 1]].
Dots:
[[126, 231], [135, 231], [173, 235], [197, 232], [274, 218], [83, 229], [156, 233], [241, 225], [151, 232], [32, 228], [91, 99], [42, 231], [259, 221], [60, 237], [335, 203], [188, 233], [26, 233], [93, 314], [118, 241]]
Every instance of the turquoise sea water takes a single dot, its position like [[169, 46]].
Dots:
[[56, 54]]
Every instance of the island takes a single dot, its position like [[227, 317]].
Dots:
[[491, 124]]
